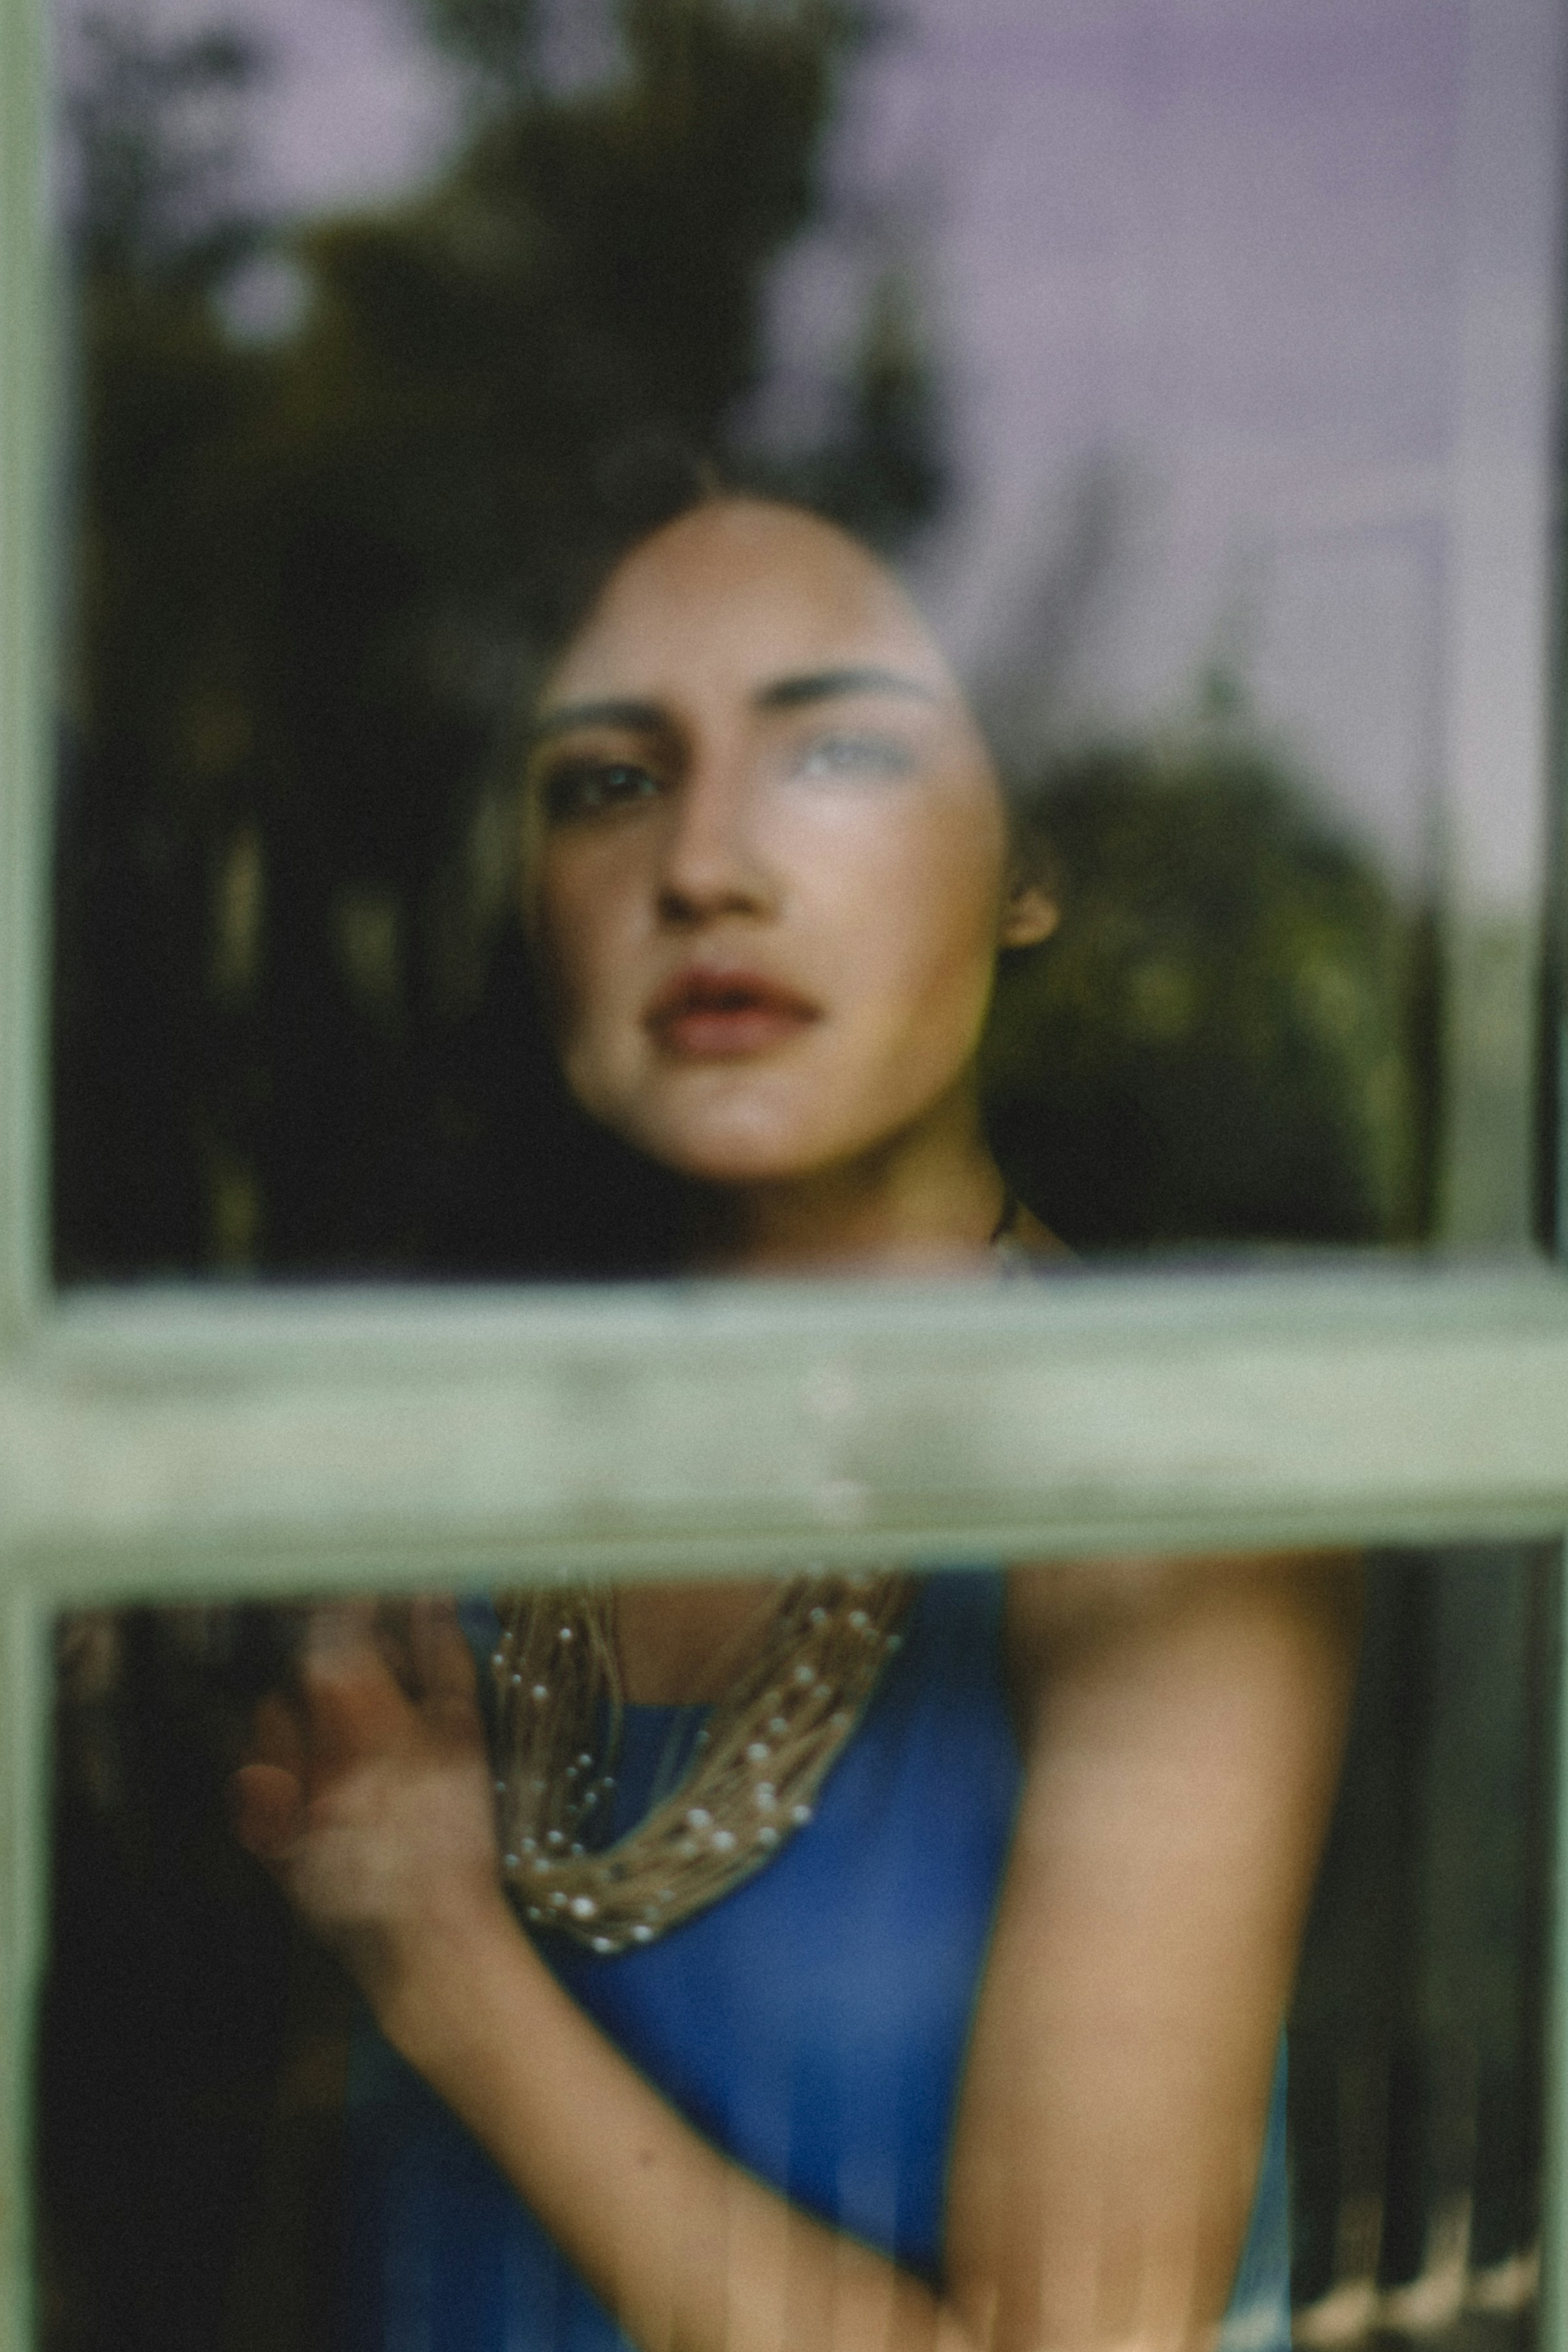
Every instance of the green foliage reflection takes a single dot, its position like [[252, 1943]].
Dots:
[[1221, 1041]]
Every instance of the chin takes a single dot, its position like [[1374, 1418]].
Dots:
[[734, 1160], [741, 1146]]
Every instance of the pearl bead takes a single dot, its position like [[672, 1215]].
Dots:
[[642, 1933], [800, 1815], [698, 1818], [723, 1841], [603, 1944], [758, 1752], [540, 1690], [583, 1908]]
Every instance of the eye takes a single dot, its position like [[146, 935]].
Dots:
[[850, 753], [582, 788]]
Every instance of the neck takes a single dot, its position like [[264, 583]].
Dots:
[[926, 1202]]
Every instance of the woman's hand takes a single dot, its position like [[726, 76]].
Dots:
[[367, 1795]]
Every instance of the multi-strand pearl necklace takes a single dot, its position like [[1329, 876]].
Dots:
[[797, 1696]]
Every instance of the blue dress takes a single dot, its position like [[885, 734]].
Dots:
[[813, 2024]]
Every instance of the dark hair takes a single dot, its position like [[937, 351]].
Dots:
[[651, 480]]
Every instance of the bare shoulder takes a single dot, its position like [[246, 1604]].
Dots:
[[1065, 1614]]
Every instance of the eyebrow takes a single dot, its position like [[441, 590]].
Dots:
[[635, 718], [821, 686], [639, 718]]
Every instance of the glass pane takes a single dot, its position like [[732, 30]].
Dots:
[[807, 1831], [1188, 365]]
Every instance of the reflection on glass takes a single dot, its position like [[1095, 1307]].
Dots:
[[373, 303], [970, 1951], [622, 714]]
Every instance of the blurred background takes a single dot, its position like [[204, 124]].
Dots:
[[1194, 359]]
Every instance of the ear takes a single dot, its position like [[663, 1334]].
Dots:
[[1029, 915]]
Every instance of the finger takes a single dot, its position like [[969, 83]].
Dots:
[[267, 1805], [442, 1658], [392, 1639], [277, 1736], [447, 1676], [337, 1628], [354, 1708]]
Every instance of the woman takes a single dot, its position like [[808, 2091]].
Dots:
[[939, 2006]]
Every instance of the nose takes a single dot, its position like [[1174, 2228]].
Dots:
[[711, 864]]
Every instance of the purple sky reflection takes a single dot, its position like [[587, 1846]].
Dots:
[[1227, 253]]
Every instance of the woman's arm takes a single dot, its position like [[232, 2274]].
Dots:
[[1182, 1739], [1184, 1723]]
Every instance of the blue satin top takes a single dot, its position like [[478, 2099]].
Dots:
[[813, 2024]]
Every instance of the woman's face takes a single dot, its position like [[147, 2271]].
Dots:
[[767, 862]]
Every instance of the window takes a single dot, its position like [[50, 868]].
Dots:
[[161, 1445]]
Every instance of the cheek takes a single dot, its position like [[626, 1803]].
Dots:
[[579, 929], [920, 905]]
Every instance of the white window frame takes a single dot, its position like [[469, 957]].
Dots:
[[162, 1445]]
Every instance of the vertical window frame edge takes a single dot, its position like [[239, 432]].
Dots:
[[28, 362]]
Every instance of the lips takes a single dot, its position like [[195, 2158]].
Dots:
[[705, 1015]]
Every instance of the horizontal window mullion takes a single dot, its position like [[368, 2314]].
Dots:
[[259, 1447]]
